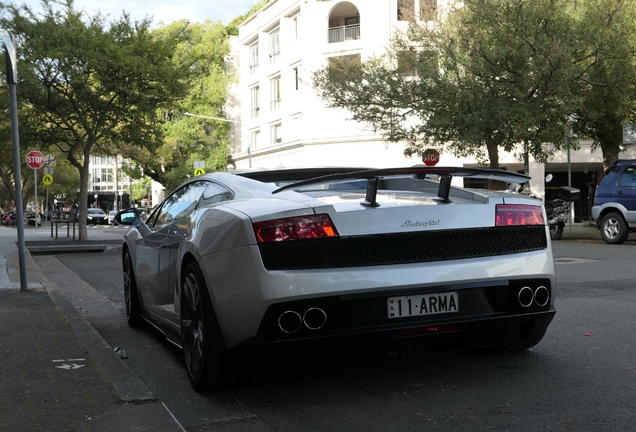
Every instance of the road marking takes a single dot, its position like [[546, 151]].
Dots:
[[69, 366]]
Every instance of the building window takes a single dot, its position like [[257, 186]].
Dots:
[[254, 58], [277, 136], [274, 96], [256, 101], [428, 10], [406, 63], [342, 62], [296, 79], [406, 10], [254, 137], [274, 45]]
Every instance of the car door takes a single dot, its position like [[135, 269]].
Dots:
[[147, 270], [172, 224], [206, 193], [626, 192]]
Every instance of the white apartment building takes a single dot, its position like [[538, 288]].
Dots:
[[281, 122]]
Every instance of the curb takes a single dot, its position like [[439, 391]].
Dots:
[[128, 386]]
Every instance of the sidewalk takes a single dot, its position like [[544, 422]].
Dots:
[[56, 371], [582, 231]]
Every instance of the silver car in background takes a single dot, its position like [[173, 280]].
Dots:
[[313, 259]]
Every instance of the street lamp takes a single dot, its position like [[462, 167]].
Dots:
[[121, 203], [249, 144], [95, 204]]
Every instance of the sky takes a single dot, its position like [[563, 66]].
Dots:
[[161, 10]]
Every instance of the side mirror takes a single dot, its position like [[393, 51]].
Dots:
[[128, 217]]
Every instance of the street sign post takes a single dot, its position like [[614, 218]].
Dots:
[[35, 159], [430, 157], [199, 168]]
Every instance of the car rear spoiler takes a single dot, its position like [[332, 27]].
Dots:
[[373, 177]]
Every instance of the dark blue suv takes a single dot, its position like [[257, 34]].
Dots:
[[614, 207]]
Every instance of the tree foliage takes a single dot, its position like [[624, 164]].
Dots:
[[491, 75], [232, 27], [90, 84], [202, 52]]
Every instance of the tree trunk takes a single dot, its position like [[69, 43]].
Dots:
[[493, 158], [608, 157], [83, 196]]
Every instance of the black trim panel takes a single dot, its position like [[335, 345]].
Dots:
[[402, 248]]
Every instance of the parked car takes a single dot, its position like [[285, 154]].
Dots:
[[614, 208], [32, 219], [9, 218], [97, 216], [314, 259], [111, 217]]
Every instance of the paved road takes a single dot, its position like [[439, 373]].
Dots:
[[582, 376]]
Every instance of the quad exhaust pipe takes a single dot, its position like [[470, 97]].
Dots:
[[290, 321], [527, 297]]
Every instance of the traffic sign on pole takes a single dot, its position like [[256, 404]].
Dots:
[[430, 157], [35, 159]]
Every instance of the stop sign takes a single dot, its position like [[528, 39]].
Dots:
[[430, 157], [35, 159]]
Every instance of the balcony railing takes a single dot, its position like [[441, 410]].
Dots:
[[341, 34]]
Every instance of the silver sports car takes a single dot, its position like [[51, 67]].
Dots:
[[308, 258]]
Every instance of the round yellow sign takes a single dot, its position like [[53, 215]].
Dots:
[[198, 172], [47, 179]]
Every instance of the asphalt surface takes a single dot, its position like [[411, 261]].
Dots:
[[56, 372]]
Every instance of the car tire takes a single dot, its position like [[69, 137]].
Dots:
[[556, 231], [206, 356], [614, 229], [131, 295]]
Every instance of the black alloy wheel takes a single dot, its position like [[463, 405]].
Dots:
[[207, 358], [131, 295]]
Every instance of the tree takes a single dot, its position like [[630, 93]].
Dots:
[[29, 140], [491, 75], [66, 177], [609, 101], [92, 84], [202, 52]]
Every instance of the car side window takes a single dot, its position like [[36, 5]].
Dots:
[[628, 178], [609, 176], [215, 193], [180, 203]]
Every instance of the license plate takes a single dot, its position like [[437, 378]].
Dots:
[[422, 304]]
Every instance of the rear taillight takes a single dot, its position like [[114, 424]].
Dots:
[[296, 228], [518, 214]]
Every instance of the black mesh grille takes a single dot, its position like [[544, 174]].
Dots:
[[401, 248]]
